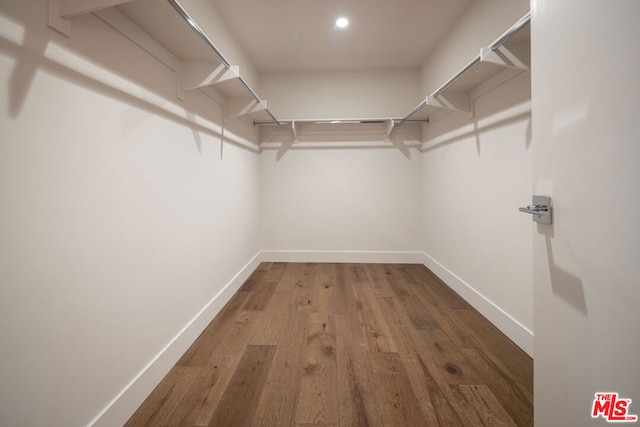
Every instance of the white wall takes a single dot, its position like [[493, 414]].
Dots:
[[341, 201], [475, 175], [341, 94], [120, 219], [585, 154], [354, 204], [476, 172]]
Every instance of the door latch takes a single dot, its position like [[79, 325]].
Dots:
[[540, 209]]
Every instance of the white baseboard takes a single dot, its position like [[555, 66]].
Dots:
[[517, 332], [363, 257], [120, 409]]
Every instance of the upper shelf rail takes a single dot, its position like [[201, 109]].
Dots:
[[201, 34], [207, 41], [341, 121], [505, 37]]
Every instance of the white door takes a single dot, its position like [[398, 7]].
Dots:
[[586, 154]]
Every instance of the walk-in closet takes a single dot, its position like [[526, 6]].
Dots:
[[306, 212]]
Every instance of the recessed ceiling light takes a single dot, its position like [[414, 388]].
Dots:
[[342, 22]]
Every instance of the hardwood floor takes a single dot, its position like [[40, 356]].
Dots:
[[345, 345]]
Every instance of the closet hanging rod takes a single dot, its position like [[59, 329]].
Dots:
[[338, 121], [505, 37], [207, 41], [412, 112], [526, 18], [444, 87], [196, 29], [455, 78]]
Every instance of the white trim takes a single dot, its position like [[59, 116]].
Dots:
[[513, 329], [365, 257], [120, 409]]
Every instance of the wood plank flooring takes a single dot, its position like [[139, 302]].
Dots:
[[345, 345]]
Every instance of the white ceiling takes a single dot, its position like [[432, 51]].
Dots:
[[301, 34]]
